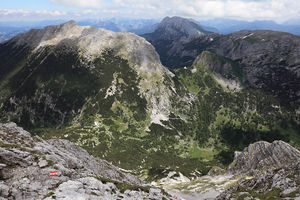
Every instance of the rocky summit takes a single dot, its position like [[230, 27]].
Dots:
[[172, 28], [27, 163], [168, 33]]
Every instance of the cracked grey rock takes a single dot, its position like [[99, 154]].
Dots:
[[43, 163], [264, 155], [26, 162], [271, 167]]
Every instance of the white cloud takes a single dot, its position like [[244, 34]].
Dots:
[[278, 10], [81, 3], [244, 9], [12, 14]]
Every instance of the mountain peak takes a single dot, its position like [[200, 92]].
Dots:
[[50, 35], [71, 22], [172, 28], [91, 42], [174, 19], [64, 26]]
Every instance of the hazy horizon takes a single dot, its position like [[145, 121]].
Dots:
[[244, 10]]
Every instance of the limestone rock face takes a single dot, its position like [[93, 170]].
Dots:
[[280, 183], [263, 155], [226, 72], [26, 163], [267, 170]]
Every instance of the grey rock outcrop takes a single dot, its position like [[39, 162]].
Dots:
[[264, 155], [26, 163], [267, 171], [280, 183]]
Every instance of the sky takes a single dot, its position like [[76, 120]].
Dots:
[[37, 10]]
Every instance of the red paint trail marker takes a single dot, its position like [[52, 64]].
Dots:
[[53, 173]]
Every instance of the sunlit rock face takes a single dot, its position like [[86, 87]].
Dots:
[[268, 170], [27, 163], [262, 156]]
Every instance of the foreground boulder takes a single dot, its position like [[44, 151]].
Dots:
[[26, 164]]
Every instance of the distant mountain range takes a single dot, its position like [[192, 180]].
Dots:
[[7, 32], [226, 26], [137, 26], [143, 26]]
